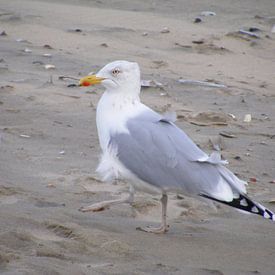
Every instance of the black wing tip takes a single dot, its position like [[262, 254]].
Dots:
[[246, 204]]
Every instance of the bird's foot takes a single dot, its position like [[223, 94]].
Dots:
[[96, 207], [157, 230], [100, 206]]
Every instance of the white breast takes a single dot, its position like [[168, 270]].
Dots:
[[113, 111]]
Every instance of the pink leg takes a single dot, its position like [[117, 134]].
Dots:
[[163, 228]]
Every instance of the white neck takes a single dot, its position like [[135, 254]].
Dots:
[[120, 99]]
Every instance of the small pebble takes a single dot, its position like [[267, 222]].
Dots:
[[47, 46], [72, 85], [51, 185], [254, 29], [227, 134], [27, 50], [208, 13], [20, 40], [49, 67], [165, 30], [254, 180], [197, 20], [3, 33], [24, 136], [105, 45], [232, 116], [200, 41], [247, 118], [75, 30], [263, 143], [38, 62], [251, 34]]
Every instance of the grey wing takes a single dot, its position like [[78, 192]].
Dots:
[[160, 153]]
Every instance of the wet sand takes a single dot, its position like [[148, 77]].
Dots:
[[49, 148]]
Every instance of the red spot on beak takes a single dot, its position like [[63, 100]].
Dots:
[[86, 83]]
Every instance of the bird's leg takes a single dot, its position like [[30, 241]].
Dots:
[[100, 206], [163, 228]]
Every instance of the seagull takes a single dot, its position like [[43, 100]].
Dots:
[[149, 151]]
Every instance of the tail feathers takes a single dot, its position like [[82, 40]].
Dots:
[[246, 204]]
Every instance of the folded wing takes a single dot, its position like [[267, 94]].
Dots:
[[161, 154]]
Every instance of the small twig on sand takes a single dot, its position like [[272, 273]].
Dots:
[[201, 83], [63, 77]]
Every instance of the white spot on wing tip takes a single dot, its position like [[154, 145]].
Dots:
[[266, 215], [243, 202], [223, 191], [255, 209]]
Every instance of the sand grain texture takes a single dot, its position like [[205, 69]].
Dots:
[[49, 147]]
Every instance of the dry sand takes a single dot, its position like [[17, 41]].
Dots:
[[49, 146]]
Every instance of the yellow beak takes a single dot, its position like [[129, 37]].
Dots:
[[90, 80]]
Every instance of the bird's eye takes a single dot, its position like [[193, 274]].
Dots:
[[115, 72]]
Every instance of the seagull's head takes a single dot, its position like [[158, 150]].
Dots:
[[117, 76]]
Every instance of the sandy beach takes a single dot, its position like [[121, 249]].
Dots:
[[49, 147]]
